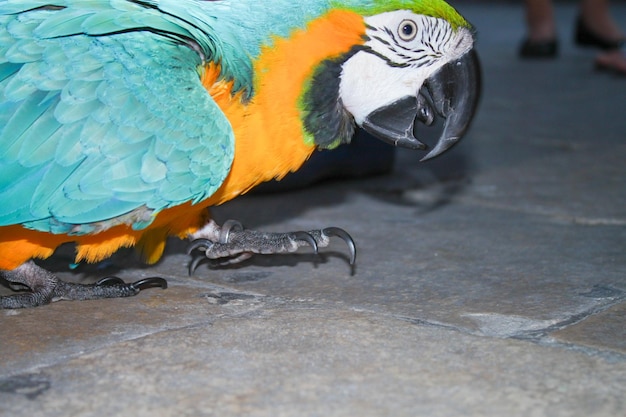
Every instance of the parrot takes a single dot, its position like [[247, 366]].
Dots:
[[122, 122]]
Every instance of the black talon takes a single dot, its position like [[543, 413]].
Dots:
[[308, 239], [197, 244], [109, 281], [227, 227], [203, 244], [194, 263], [149, 282], [139, 285], [340, 233]]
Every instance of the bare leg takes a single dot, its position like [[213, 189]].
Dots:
[[596, 16], [541, 39], [540, 20]]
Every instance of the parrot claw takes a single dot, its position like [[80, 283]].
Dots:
[[195, 261], [227, 227], [231, 243], [203, 245], [45, 287], [199, 244], [109, 281], [308, 238], [345, 236], [137, 285], [142, 284]]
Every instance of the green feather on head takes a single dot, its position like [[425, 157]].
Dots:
[[433, 8]]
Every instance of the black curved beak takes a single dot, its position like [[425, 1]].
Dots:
[[452, 93]]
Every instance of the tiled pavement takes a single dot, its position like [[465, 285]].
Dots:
[[491, 282]]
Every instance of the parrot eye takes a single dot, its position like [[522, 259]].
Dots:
[[407, 30]]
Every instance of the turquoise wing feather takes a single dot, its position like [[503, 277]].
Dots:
[[93, 127]]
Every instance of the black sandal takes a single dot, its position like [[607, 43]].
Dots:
[[586, 38], [539, 49]]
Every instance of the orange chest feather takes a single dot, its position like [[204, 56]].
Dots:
[[269, 136]]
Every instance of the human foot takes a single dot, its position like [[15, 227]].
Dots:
[[613, 61]]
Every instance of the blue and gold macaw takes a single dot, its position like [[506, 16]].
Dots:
[[123, 121]]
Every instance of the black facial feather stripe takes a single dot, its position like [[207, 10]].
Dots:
[[381, 40], [387, 60]]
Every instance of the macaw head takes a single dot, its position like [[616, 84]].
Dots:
[[417, 64]]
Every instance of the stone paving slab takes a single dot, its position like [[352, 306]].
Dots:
[[46, 336], [605, 330], [288, 360], [454, 267]]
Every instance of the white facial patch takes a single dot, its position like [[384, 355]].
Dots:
[[403, 50], [407, 39]]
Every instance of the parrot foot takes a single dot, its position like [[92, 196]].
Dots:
[[45, 287], [231, 243]]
